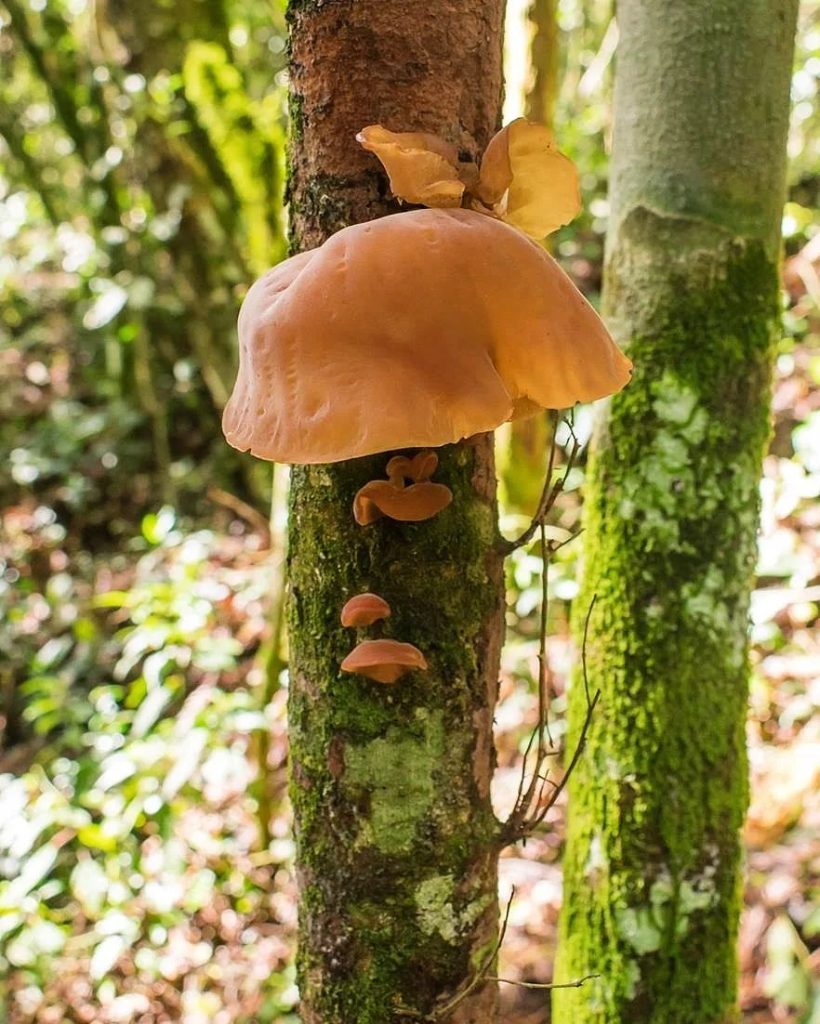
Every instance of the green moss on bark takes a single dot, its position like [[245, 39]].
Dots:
[[388, 784], [652, 871], [691, 287]]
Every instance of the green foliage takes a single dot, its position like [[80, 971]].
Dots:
[[790, 981], [583, 124], [141, 192], [101, 836], [247, 138], [141, 163]]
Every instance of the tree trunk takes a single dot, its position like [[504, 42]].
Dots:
[[390, 786], [522, 465], [542, 94], [691, 287]]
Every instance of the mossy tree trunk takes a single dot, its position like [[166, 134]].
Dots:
[[691, 287], [390, 785]]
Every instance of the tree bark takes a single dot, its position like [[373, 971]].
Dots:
[[542, 94], [691, 288], [390, 786]]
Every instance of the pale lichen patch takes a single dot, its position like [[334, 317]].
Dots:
[[639, 928], [434, 907], [397, 772], [704, 600], [631, 978], [437, 908], [691, 900], [596, 862], [669, 911], [673, 402]]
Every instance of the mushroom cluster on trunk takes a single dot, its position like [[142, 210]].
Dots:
[[392, 498], [383, 660], [421, 329]]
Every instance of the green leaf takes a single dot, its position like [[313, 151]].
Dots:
[[95, 838], [156, 527], [106, 955], [150, 710], [35, 869]]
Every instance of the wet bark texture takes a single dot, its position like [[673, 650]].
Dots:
[[653, 860], [390, 785]]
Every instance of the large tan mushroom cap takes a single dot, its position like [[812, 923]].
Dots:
[[415, 330]]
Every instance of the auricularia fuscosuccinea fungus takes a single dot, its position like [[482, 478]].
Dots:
[[420, 467], [411, 504], [363, 610], [524, 180], [391, 498], [423, 168], [423, 328], [386, 661]]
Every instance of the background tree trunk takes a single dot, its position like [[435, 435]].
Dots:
[[652, 864], [390, 786], [522, 466], [542, 94]]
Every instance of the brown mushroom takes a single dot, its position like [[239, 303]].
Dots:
[[384, 660], [420, 467], [411, 504], [398, 470], [364, 610], [423, 465], [414, 330], [422, 167], [524, 180]]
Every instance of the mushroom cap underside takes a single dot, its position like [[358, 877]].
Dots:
[[384, 660], [415, 330]]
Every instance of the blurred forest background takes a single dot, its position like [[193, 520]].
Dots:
[[145, 853]]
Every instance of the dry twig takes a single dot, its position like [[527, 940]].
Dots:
[[550, 985], [551, 490], [440, 1013], [531, 804], [531, 807]]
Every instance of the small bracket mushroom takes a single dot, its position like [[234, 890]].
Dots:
[[411, 504], [386, 661], [422, 500], [421, 467], [363, 610], [523, 179]]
